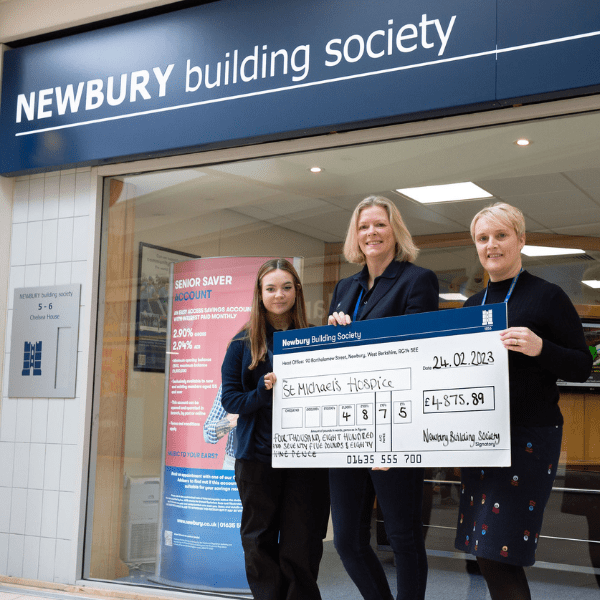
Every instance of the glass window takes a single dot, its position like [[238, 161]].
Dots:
[[277, 207]]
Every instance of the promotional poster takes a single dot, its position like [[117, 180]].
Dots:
[[200, 543]]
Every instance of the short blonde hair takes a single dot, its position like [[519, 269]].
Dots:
[[502, 214], [405, 247]]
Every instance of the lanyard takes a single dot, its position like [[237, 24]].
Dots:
[[510, 290], [357, 304]]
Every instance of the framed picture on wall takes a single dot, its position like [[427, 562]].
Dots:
[[152, 306]]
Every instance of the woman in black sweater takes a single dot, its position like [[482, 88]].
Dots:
[[501, 509]]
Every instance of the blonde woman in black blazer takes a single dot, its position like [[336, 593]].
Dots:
[[388, 285]]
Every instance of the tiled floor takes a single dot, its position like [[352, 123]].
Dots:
[[448, 578]]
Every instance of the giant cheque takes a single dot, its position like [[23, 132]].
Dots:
[[423, 390]]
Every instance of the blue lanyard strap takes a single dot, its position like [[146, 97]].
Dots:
[[510, 290], [362, 291]]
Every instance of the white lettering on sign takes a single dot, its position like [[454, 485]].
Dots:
[[60, 99], [236, 66]]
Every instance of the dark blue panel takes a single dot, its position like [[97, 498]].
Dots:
[[568, 34], [459, 321], [328, 84]]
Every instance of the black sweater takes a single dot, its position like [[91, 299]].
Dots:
[[549, 313]]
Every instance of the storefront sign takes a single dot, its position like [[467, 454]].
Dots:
[[233, 72], [420, 390], [200, 544], [43, 350]]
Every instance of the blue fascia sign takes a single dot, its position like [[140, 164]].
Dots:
[[234, 72]]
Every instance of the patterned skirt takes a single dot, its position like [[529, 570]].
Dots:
[[501, 508]]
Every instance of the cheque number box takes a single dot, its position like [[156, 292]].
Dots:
[[329, 416], [291, 418], [402, 412], [312, 416]]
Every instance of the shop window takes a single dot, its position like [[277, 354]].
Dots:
[[276, 207]]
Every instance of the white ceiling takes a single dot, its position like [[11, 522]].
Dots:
[[555, 181]]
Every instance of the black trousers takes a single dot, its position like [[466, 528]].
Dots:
[[284, 520]]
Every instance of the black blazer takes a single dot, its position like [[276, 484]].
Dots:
[[402, 289]]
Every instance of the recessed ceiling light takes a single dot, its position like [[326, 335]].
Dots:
[[523, 142], [316, 169], [453, 297], [593, 283], [453, 192], [549, 251]]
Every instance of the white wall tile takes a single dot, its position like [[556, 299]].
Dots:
[[68, 468], [4, 553], [48, 274], [9, 315], [62, 564], [66, 515], [79, 275], [24, 414], [83, 182], [39, 420], [18, 244], [52, 467], [16, 545], [66, 200], [52, 186], [54, 432], [49, 240], [21, 465], [84, 329], [5, 502], [36, 200], [49, 513], [7, 452], [31, 557], [82, 370], [8, 424], [63, 273], [33, 518], [16, 280], [5, 378], [64, 248], [80, 238], [18, 510], [37, 463], [32, 275], [20, 201], [47, 555], [33, 255], [71, 421]]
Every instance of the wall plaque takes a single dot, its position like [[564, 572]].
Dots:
[[43, 349]]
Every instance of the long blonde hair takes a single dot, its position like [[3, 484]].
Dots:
[[255, 328], [405, 247]]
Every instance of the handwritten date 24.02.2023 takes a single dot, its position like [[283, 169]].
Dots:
[[464, 359]]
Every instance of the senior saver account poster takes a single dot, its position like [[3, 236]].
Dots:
[[200, 543]]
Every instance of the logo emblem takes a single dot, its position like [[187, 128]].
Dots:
[[486, 317], [32, 359]]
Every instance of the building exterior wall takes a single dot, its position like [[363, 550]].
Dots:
[[20, 19], [49, 231], [42, 441]]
